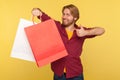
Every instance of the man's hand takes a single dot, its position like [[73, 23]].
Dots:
[[81, 32], [94, 31], [36, 12]]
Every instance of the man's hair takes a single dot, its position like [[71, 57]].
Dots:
[[73, 9]]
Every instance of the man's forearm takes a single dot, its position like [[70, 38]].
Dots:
[[95, 31]]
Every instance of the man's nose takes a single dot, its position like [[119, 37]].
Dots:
[[64, 16]]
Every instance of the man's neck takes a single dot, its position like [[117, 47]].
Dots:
[[71, 27]]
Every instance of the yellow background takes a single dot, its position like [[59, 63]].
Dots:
[[100, 56]]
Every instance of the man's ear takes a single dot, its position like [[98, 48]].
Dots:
[[75, 19]]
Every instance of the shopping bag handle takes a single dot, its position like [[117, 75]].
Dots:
[[33, 19]]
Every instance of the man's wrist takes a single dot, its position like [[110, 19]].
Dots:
[[87, 32]]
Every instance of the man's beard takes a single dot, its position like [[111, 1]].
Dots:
[[68, 23]]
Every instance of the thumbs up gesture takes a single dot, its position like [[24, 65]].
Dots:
[[81, 32]]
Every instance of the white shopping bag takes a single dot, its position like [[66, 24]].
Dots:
[[21, 48]]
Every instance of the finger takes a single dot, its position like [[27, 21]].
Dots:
[[81, 27], [34, 9]]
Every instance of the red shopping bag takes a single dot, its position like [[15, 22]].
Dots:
[[45, 42]]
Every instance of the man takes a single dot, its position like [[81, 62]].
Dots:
[[73, 36]]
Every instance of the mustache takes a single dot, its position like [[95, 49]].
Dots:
[[64, 19]]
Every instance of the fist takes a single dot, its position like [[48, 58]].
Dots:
[[36, 12], [81, 32]]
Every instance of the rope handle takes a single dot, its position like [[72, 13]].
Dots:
[[33, 19]]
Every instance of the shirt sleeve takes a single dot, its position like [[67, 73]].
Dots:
[[44, 17]]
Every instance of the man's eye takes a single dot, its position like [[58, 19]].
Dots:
[[68, 14]]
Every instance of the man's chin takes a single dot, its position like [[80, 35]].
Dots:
[[65, 25]]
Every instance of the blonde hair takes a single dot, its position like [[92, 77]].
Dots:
[[73, 9]]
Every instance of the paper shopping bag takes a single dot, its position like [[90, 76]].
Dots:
[[21, 48], [46, 43]]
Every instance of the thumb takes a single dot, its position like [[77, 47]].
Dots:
[[81, 28]]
